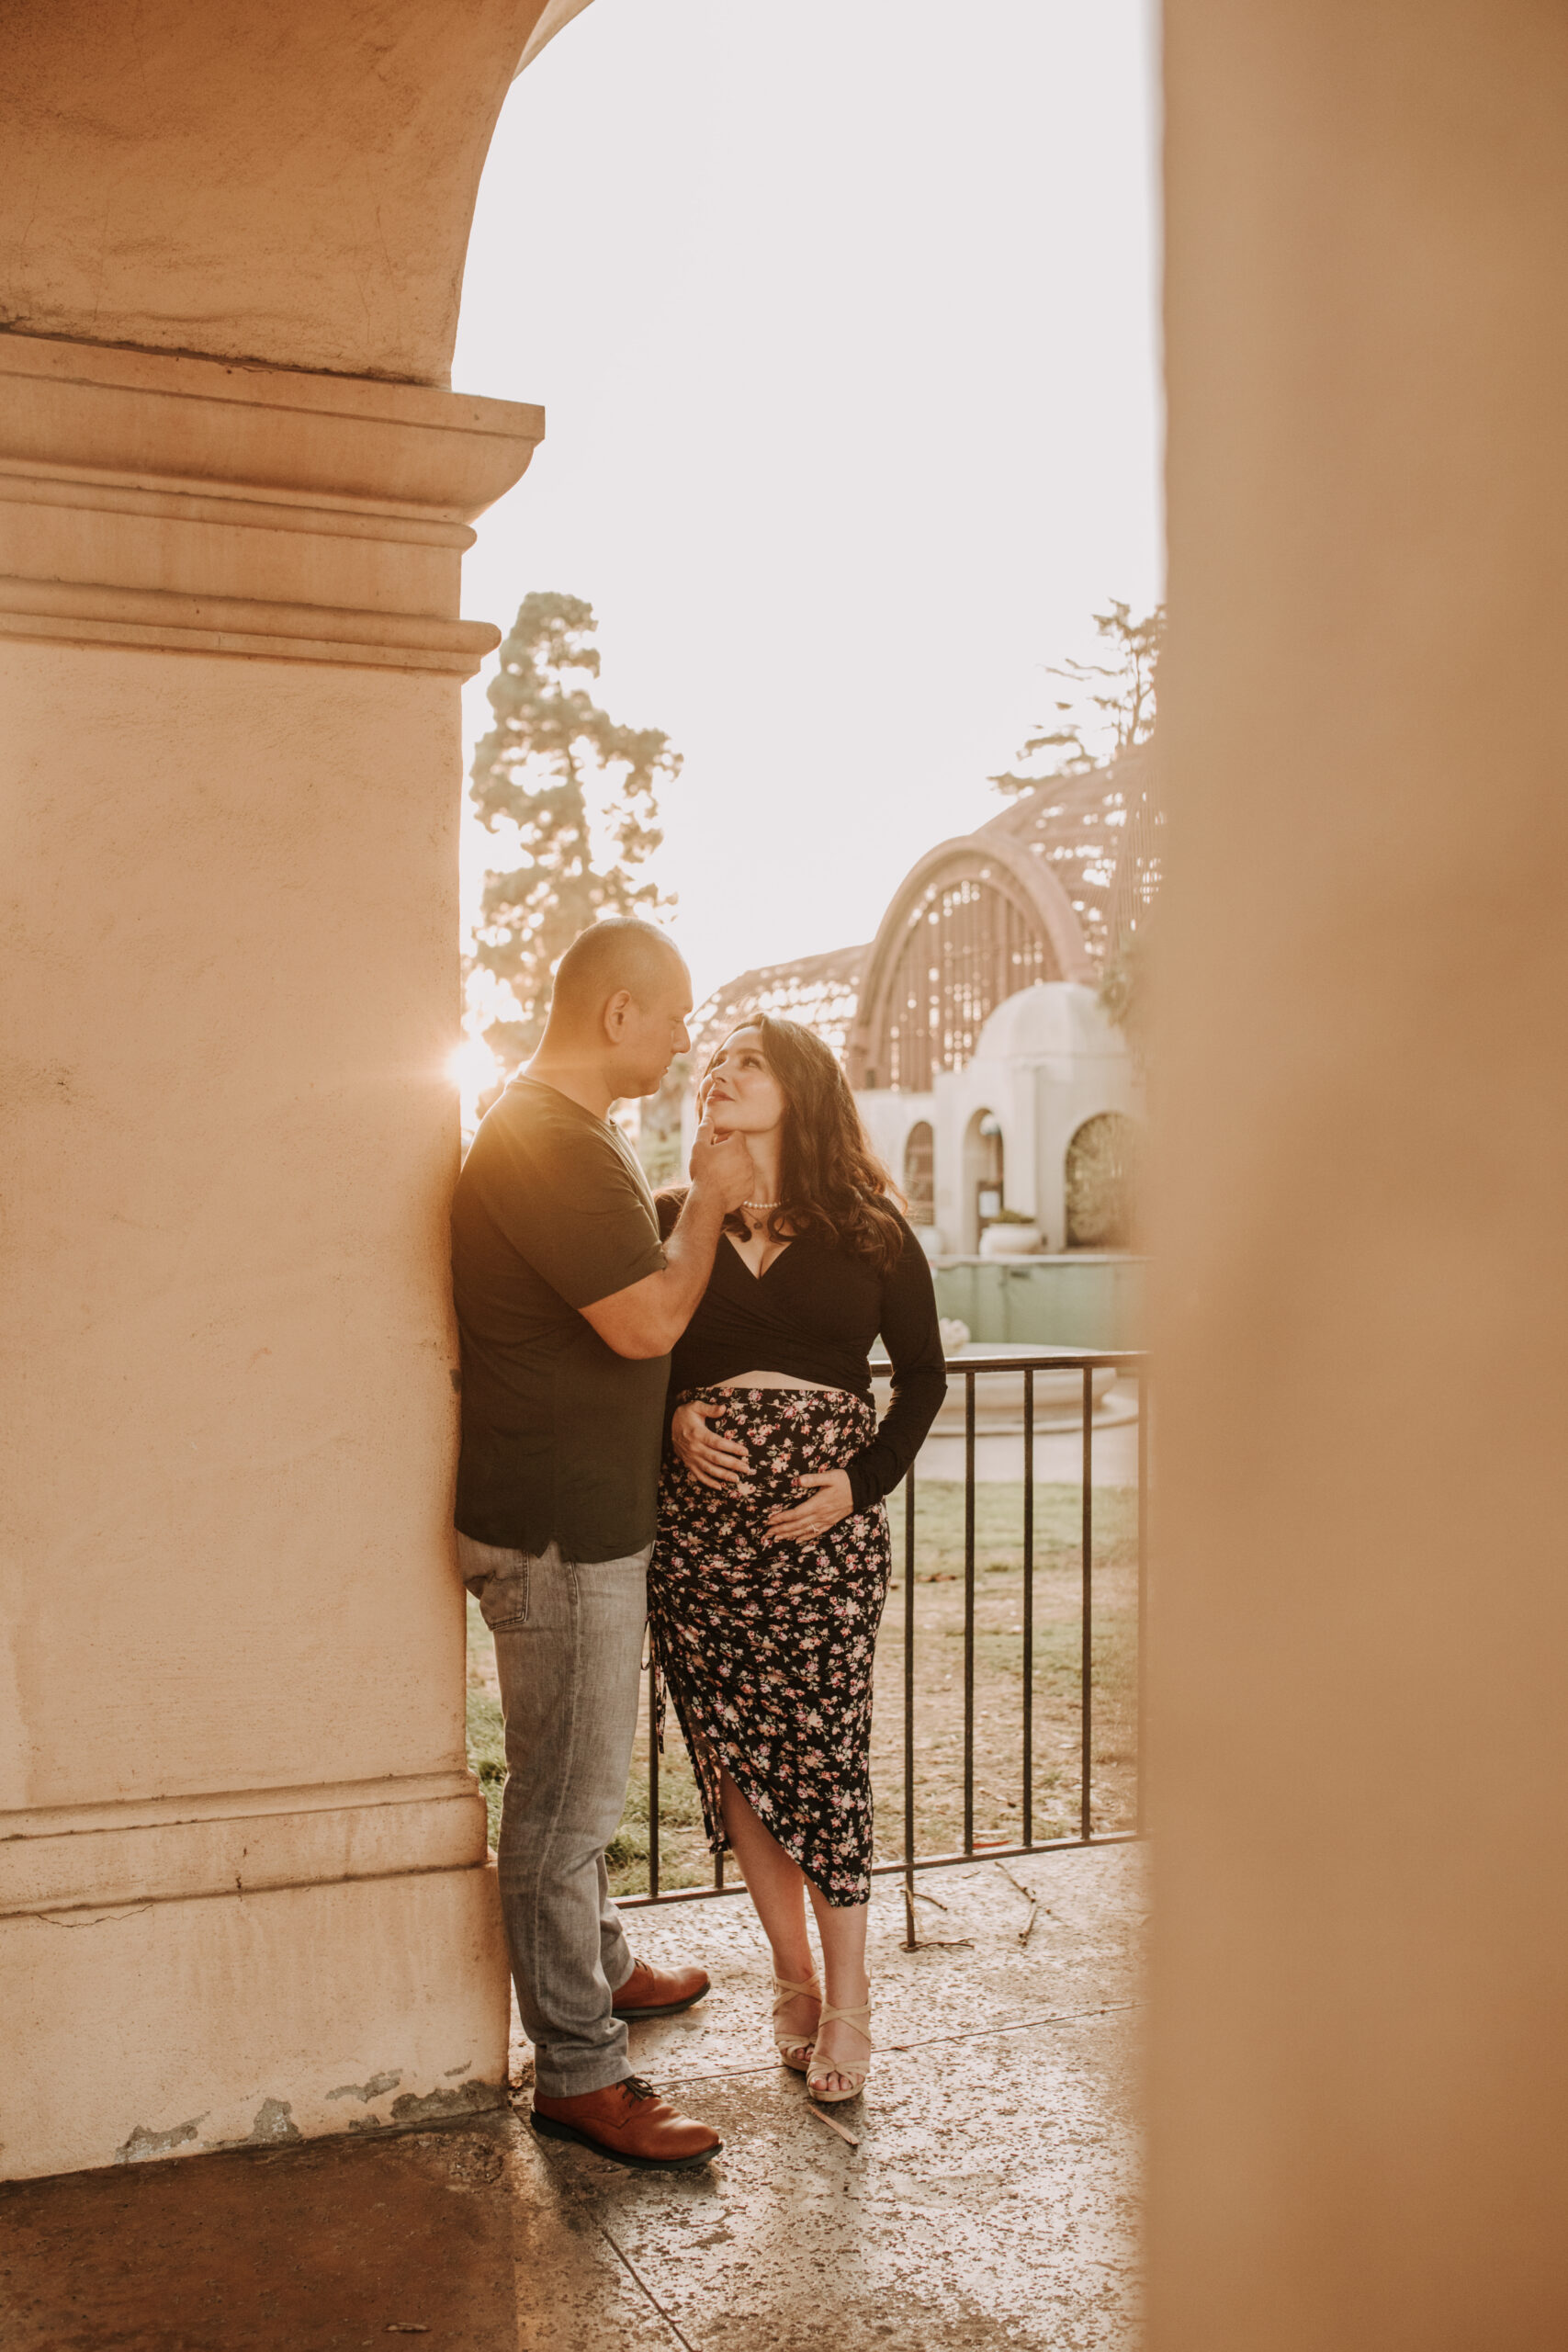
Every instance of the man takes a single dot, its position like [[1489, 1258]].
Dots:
[[568, 1306]]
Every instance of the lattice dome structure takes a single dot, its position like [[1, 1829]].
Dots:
[[1045, 890], [820, 991], [1099, 833]]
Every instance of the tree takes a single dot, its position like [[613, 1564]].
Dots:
[[1123, 992], [1111, 705], [659, 1130], [581, 792]]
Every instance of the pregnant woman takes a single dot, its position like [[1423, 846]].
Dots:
[[771, 1563]]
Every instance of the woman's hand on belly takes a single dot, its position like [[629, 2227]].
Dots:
[[711, 1460], [831, 1501]]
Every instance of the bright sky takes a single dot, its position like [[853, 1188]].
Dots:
[[844, 321]]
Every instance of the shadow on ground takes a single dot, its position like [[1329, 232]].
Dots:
[[991, 2200]]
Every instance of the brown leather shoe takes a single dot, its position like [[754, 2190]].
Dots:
[[629, 2122], [659, 1992]]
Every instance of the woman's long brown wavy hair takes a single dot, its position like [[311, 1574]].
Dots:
[[832, 1187]]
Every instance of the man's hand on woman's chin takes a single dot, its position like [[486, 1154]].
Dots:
[[721, 1165]]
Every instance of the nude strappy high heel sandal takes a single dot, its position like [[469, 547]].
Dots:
[[854, 2075], [794, 2048]]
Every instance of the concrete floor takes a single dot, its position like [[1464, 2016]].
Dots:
[[992, 2199]]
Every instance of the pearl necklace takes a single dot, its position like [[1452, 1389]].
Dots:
[[762, 1204]]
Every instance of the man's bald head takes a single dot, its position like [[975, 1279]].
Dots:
[[621, 998], [619, 953]]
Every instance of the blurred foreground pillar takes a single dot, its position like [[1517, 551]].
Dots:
[[243, 1885], [1359, 2126]]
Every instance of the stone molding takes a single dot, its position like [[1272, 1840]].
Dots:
[[102, 1857], [198, 505]]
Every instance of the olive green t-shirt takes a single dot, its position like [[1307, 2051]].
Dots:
[[560, 1436]]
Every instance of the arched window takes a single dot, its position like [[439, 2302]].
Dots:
[[1101, 1182], [919, 1172], [976, 921], [982, 1202], [967, 945]]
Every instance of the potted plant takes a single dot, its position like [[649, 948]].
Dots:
[[1012, 1234]]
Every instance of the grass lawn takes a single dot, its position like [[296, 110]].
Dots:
[[939, 1688]]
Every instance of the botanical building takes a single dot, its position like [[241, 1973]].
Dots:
[[987, 1073]]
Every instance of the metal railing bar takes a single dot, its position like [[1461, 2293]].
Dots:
[[1043, 1361], [1028, 1606], [968, 1610], [898, 1867], [1084, 1360], [1086, 1767], [687, 1894], [1010, 1853]]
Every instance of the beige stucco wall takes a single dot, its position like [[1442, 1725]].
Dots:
[[243, 1863], [1359, 2127], [285, 182], [229, 1008], [175, 2027]]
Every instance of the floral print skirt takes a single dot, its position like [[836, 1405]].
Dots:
[[766, 1648]]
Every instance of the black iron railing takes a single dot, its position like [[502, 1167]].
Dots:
[[972, 1370]]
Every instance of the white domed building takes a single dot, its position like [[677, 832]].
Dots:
[[1026, 1145], [991, 1081]]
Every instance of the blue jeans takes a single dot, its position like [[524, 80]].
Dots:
[[568, 1647]]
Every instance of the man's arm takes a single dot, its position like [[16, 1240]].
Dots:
[[648, 1317]]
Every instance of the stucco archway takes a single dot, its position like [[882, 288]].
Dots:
[[919, 1172], [1368, 214], [234, 495], [1100, 1182], [291, 185], [983, 1177]]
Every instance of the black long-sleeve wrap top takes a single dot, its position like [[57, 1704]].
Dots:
[[815, 1314]]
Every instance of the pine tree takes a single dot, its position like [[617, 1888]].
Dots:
[[1110, 705], [581, 792]]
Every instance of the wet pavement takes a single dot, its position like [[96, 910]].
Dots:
[[992, 2199]]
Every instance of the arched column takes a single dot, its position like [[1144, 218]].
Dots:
[[243, 1888], [292, 183]]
